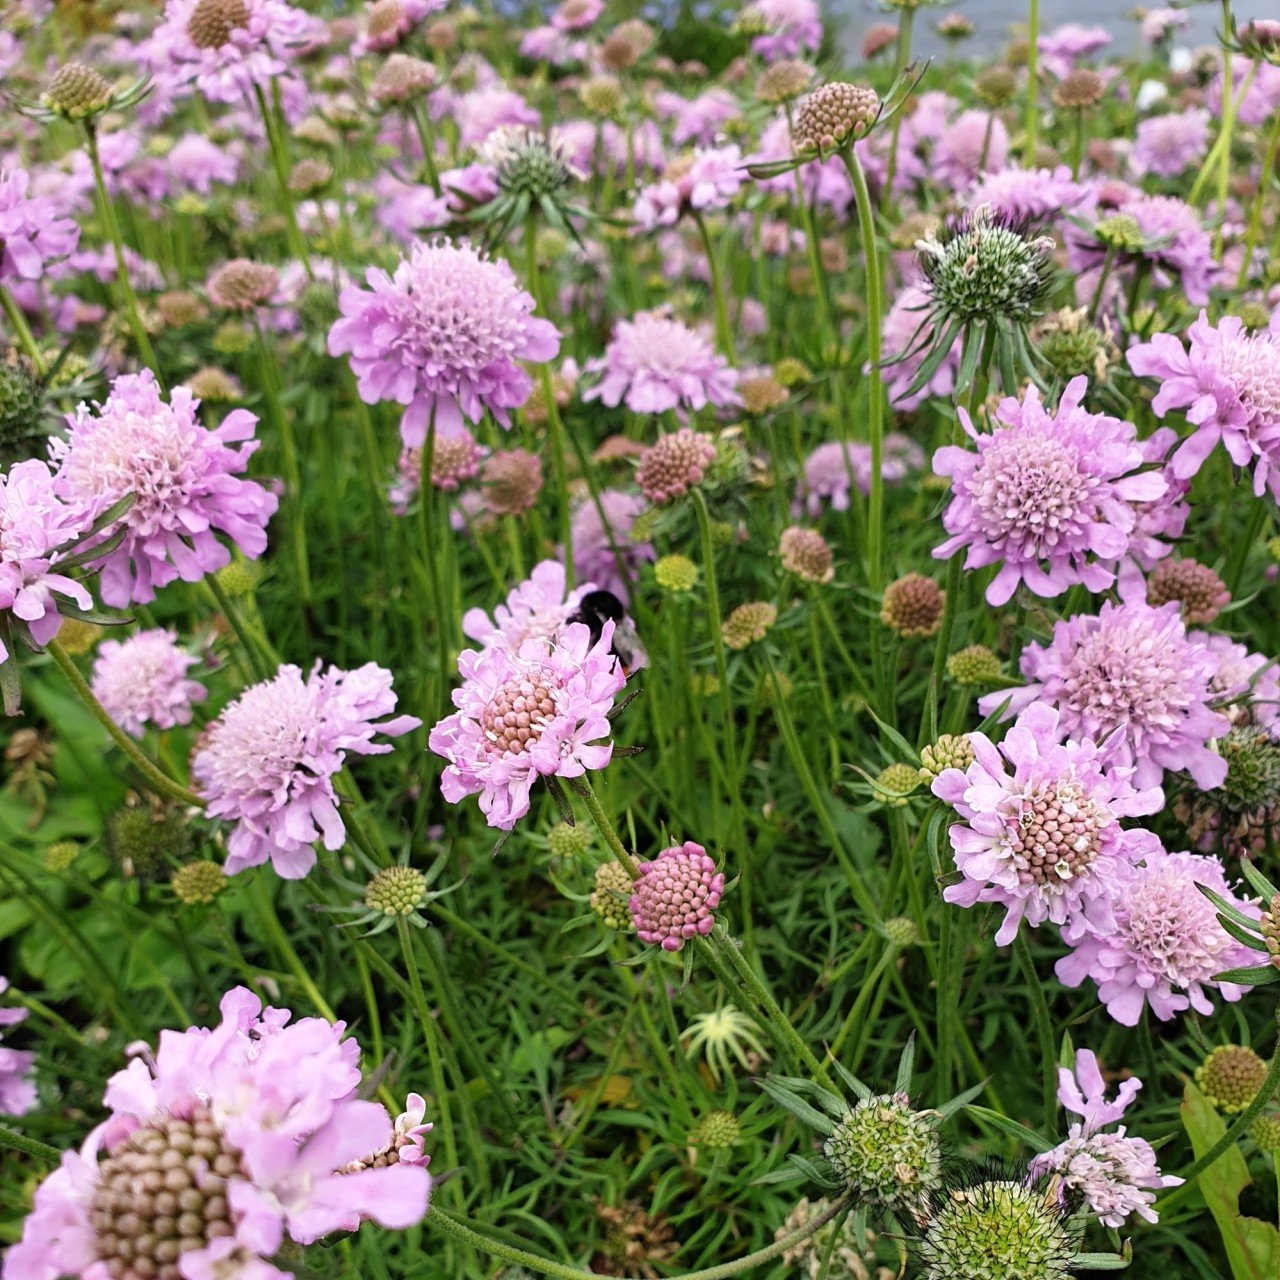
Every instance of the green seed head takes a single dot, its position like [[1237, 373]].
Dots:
[[526, 162], [895, 783], [1120, 232], [976, 665], [612, 879], [567, 842], [1231, 1076], [396, 891], [676, 574], [22, 432], [716, 1131], [901, 931], [198, 883], [239, 579], [951, 751], [886, 1152], [59, 857], [996, 1230], [1265, 1131], [145, 839], [748, 623], [77, 92]]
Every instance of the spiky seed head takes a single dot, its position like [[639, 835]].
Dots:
[[602, 95], [807, 554], [396, 891], [749, 623], [1265, 1131], [951, 751], [1253, 770], [997, 86], [832, 115], [717, 1131], [895, 783], [987, 265], [1072, 347], [783, 81], [1120, 232], [568, 842], [526, 162], [913, 606], [902, 931], [1079, 89], [1231, 1076], [198, 883], [60, 856], [994, 1230], [791, 372], [239, 579], [242, 285], [975, 666], [885, 1152], [145, 839], [612, 880], [77, 92], [676, 574], [212, 22], [21, 409]]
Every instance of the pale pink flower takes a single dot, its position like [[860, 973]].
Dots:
[[144, 680]]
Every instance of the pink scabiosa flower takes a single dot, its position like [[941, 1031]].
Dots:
[[489, 107], [185, 479], [17, 1066], [1228, 382], [1035, 194], [574, 15], [32, 232], [1159, 24], [794, 27], [535, 609], [268, 762], [1042, 835], [34, 523], [143, 680], [1115, 1175], [1169, 145], [705, 181], [976, 142], [1131, 669], [539, 710], [600, 539], [248, 1129], [831, 471], [676, 895], [1061, 48], [1165, 942], [1046, 496], [442, 336], [656, 364]]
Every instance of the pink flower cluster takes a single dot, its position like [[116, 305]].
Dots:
[[832, 470], [442, 336], [32, 231], [17, 1066], [676, 896], [535, 710], [708, 181], [185, 480], [1048, 497], [268, 762], [220, 1147], [143, 681]]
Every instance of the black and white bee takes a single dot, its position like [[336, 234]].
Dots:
[[598, 607]]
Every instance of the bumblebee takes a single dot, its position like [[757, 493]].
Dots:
[[598, 607]]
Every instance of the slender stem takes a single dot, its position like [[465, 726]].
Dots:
[[875, 411], [435, 1064], [1031, 120], [714, 622], [149, 770], [946, 1004], [582, 786], [16, 318], [1044, 1025], [140, 335], [280, 163], [12, 1141], [906, 22], [1265, 181], [724, 335], [451, 1226]]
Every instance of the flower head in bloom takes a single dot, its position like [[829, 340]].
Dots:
[[523, 713], [1028, 193], [1228, 382], [535, 609], [791, 27], [604, 551], [17, 1088], [34, 523], [831, 471], [1170, 144], [1164, 943], [32, 234], [185, 480], [656, 364], [976, 142], [676, 896], [1041, 834], [1113, 1174], [1046, 496], [267, 763], [246, 1131], [1131, 671], [442, 336], [143, 680], [704, 181]]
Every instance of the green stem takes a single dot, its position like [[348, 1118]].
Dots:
[[1265, 181], [22, 329], [140, 335], [159, 780], [714, 621], [906, 22], [582, 786], [1044, 1025], [12, 1141], [435, 1063], [461, 1232], [280, 163], [1031, 119], [724, 335]]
